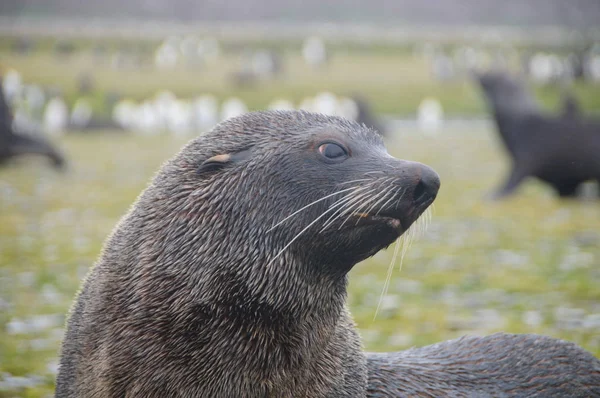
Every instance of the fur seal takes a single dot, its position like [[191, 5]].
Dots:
[[13, 143], [227, 278], [559, 150]]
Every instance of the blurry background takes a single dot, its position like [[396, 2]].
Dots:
[[117, 87]]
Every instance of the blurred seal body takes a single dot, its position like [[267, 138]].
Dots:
[[18, 143], [561, 150]]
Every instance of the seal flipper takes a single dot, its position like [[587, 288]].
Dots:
[[516, 177]]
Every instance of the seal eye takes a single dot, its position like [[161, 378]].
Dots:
[[333, 151]]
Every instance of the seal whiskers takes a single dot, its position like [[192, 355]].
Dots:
[[387, 197], [353, 210], [353, 200], [331, 208], [311, 204], [388, 277], [405, 241]]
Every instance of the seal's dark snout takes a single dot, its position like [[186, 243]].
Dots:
[[427, 188]]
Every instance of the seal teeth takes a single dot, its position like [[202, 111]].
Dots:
[[362, 215]]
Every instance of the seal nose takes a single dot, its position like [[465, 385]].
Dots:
[[428, 185]]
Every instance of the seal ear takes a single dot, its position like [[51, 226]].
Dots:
[[218, 162]]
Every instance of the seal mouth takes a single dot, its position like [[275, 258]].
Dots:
[[365, 219], [399, 221]]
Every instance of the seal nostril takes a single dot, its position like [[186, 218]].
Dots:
[[428, 185], [420, 191]]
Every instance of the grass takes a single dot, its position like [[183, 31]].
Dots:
[[481, 266]]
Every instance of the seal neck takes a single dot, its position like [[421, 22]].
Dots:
[[282, 290]]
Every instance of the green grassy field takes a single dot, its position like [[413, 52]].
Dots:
[[394, 82], [530, 264]]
